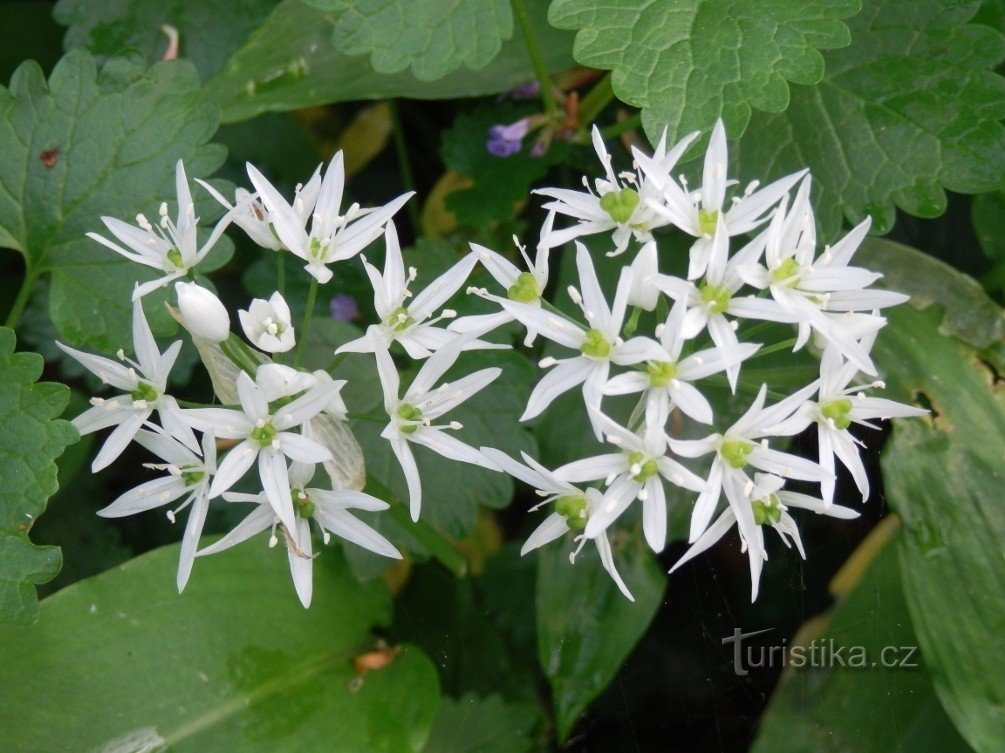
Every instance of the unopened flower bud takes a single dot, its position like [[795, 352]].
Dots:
[[204, 316]]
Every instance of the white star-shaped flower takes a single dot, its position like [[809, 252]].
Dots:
[[329, 509], [268, 324], [144, 380]]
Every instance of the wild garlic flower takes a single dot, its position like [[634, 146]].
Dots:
[[333, 236], [204, 314], [636, 471], [599, 344], [266, 435], [743, 445], [699, 212], [412, 415], [624, 207], [171, 246], [411, 322], [269, 324], [329, 509], [572, 510], [188, 476], [764, 504], [666, 382], [145, 383]]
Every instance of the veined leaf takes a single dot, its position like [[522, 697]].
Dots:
[[476, 724], [32, 439]]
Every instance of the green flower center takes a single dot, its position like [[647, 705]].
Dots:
[[407, 412], [715, 297], [707, 221], [736, 451], [192, 476], [767, 511], [620, 205], [525, 289], [265, 434], [317, 249], [575, 511], [146, 392], [400, 319], [302, 505], [596, 344], [647, 467], [661, 372], [174, 256], [785, 270], [837, 411]]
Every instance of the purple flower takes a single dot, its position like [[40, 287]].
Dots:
[[505, 140], [343, 308]]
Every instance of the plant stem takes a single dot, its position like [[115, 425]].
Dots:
[[768, 349], [305, 326], [23, 295], [595, 100], [231, 348], [633, 321], [438, 545], [628, 124], [404, 166], [280, 273], [536, 58]]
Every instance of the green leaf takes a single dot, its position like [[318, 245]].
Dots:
[[481, 724], [92, 142], [585, 625], [988, 212], [431, 38], [686, 63], [208, 32], [909, 108], [824, 707], [290, 62], [32, 439], [122, 662], [943, 474]]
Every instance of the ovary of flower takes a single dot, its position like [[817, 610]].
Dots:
[[599, 344], [635, 471], [187, 475], [666, 382], [329, 509], [268, 324], [333, 236], [265, 436], [170, 246], [713, 304], [572, 509], [698, 212], [144, 381], [763, 504], [744, 445], [412, 415], [625, 208]]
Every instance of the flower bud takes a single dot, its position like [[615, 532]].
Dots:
[[268, 325], [204, 316], [644, 293]]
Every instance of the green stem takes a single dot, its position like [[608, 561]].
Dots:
[[633, 321], [785, 344], [628, 124], [23, 296], [536, 58], [438, 545], [595, 101], [231, 348], [305, 326], [280, 273], [404, 166], [366, 417]]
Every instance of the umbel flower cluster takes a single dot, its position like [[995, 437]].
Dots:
[[283, 431]]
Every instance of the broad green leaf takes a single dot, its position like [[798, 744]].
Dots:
[[821, 706], [33, 437], [988, 211], [585, 625], [481, 724], [290, 62], [686, 63], [910, 108], [92, 142], [429, 37], [123, 662], [208, 32], [944, 476]]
